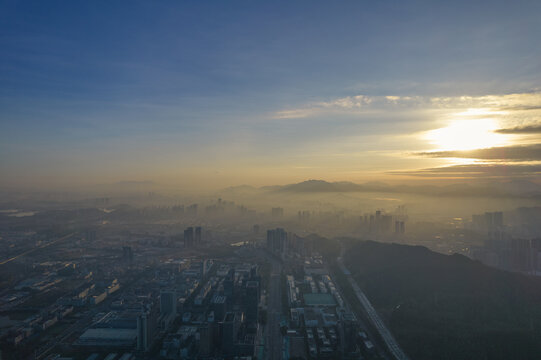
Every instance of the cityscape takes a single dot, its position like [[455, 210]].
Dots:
[[92, 280], [270, 180]]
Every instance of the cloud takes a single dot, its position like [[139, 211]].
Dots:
[[518, 101], [509, 153], [293, 114], [347, 103], [531, 129], [490, 104], [522, 108], [477, 171]]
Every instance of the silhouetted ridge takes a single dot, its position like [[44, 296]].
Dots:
[[449, 307], [522, 189], [321, 186]]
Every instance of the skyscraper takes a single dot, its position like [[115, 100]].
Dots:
[[205, 340], [188, 237], [198, 235], [146, 326], [168, 302], [251, 301], [277, 240], [230, 329]]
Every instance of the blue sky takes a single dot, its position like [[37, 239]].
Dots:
[[186, 90]]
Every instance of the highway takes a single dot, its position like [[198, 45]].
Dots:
[[37, 248], [382, 353], [388, 338]]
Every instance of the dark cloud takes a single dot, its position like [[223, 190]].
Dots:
[[532, 129], [521, 108], [508, 153], [477, 170]]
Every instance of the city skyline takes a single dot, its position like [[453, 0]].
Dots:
[[270, 180]]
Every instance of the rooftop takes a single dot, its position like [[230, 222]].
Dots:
[[319, 299]]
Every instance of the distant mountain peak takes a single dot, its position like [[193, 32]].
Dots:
[[314, 185]]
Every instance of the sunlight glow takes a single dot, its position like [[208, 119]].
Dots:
[[473, 112], [467, 135]]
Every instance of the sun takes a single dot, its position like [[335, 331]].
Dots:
[[467, 135]]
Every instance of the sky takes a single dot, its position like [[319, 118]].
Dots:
[[220, 93]]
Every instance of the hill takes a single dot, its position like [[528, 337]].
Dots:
[[512, 189], [449, 307]]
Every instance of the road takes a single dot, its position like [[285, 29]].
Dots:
[[37, 248], [382, 353], [388, 338], [274, 308]]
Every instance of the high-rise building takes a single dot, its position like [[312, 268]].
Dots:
[[198, 235], [251, 301], [168, 302], [229, 287], [230, 330], [494, 220], [479, 222], [219, 305], [146, 329], [494, 223], [303, 216], [277, 240], [254, 272], [399, 227], [206, 343], [188, 237]]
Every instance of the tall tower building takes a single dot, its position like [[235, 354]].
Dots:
[[277, 240], [198, 235], [251, 301], [168, 302], [146, 328], [188, 237], [230, 329], [205, 340]]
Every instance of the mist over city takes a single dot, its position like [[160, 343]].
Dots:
[[270, 180]]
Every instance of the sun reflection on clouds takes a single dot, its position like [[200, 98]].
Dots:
[[480, 112]]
